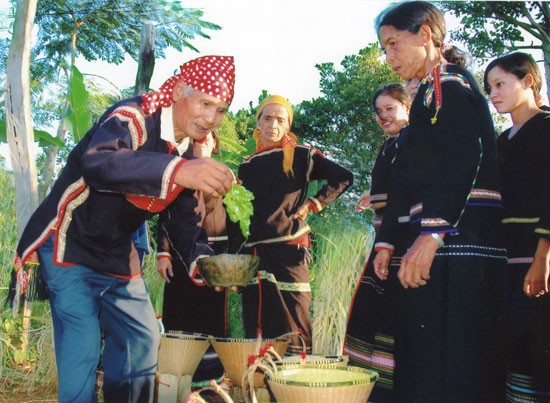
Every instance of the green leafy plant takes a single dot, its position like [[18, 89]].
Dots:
[[339, 251], [238, 203], [11, 330]]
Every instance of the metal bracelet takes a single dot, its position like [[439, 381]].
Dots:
[[439, 240]]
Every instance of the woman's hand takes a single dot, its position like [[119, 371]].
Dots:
[[381, 263], [536, 279], [302, 212], [363, 203], [164, 268], [417, 262]]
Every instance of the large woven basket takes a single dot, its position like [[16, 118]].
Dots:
[[321, 383], [225, 270], [234, 353], [181, 353]]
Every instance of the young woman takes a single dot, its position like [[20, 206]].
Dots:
[[447, 345], [370, 336], [513, 83]]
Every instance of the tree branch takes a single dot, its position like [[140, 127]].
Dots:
[[528, 47], [545, 8], [514, 21], [540, 29]]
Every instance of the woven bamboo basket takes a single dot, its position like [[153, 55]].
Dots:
[[181, 353], [321, 383], [225, 270], [234, 353]]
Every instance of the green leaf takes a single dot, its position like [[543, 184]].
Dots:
[[231, 145], [238, 203], [44, 138], [78, 118], [3, 131]]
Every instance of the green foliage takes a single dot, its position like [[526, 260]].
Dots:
[[492, 28], [11, 329], [67, 29], [341, 123], [235, 314], [155, 283], [231, 148], [78, 118], [495, 27], [244, 124], [13, 341], [43, 137], [339, 251], [11, 338], [238, 204], [8, 229], [96, 28], [46, 139]]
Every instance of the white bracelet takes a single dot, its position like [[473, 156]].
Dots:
[[439, 240]]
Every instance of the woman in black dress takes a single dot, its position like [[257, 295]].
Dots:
[[370, 332], [513, 83], [447, 347]]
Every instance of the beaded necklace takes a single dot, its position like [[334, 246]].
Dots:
[[436, 87]]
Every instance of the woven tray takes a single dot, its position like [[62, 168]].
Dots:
[[181, 353], [321, 383]]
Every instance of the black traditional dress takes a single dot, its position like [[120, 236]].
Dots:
[[280, 303], [524, 163], [447, 345], [369, 340]]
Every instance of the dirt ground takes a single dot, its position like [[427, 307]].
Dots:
[[23, 396], [21, 386]]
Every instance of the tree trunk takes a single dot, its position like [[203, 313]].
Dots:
[[50, 161], [20, 132], [19, 123], [146, 59]]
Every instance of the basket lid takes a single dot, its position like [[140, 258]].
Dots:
[[321, 376]]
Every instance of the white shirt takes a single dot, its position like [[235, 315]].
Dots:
[[167, 131]]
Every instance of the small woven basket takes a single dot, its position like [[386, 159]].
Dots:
[[181, 353], [321, 383], [234, 353]]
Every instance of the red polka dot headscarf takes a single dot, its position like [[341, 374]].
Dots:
[[212, 75]]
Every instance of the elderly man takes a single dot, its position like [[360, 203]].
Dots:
[[278, 175], [125, 169]]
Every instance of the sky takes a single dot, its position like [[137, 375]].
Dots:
[[276, 45]]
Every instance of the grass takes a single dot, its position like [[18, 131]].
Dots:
[[338, 258]]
